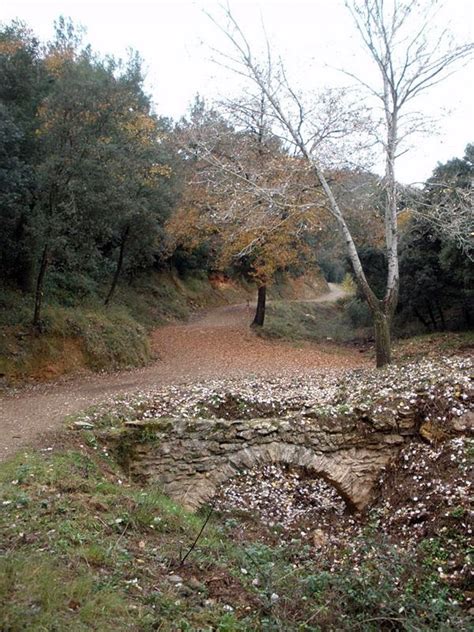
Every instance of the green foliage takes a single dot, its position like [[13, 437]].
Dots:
[[299, 321], [374, 262], [332, 267], [359, 313], [436, 273], [78, 331], [87, 176], [85, 549], [73, 338], [15, 193]]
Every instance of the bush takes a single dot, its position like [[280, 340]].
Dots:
[[359, 313], [111, 339], [333, 269]]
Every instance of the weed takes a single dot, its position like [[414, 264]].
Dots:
[[83, 551]]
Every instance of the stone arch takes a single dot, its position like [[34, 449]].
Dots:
[[333, 468], [189, 459]]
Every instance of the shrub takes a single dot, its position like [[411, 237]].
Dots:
[[359, 313]]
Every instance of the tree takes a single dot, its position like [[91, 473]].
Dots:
[[247, 189], [409, 62], [15, 192], [87, 169], [103, 177], [141, 168], [437, 247], [447, 202], [71, 119], [23, 84]]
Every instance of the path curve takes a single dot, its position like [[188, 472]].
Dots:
[[215, 344]]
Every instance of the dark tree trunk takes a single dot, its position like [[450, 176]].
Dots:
[[39, 286], [383, 347], [261, 302], [441, 316], [118, 269]]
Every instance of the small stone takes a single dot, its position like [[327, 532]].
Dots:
[[195, 584], [319, 538], [82, 425], [466, 422], [209, 603], [175, 579]]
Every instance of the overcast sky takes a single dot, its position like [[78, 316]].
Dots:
[[176, 39]]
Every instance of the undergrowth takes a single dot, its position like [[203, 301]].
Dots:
[[348, 321], [84, 549], [71, 338], [78, 331], [315, 322]]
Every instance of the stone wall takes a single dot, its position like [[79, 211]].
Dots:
[[189, 459]]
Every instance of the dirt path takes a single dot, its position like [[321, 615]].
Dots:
[[335, 293], [216, 344]]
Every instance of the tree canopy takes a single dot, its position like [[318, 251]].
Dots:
[[87, 171]]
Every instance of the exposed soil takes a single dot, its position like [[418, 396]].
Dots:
[[214, 344]]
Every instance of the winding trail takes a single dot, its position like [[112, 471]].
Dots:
[[213, 345]]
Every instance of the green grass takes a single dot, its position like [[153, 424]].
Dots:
[[316, 322], [72, 338], [439, 343], [79, 332], [348, 320], [84, 549]]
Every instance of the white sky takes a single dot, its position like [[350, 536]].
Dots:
[[175, 38]]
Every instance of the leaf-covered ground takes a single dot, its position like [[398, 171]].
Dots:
[[83, 548], [446, 382]]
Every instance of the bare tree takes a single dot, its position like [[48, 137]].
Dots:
[[409, 62], [452, 216]]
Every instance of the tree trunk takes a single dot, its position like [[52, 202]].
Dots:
[[422, 320], [39, 286], [118, 269], [431, 315], [383, 349], [441, 316], [261, 302]]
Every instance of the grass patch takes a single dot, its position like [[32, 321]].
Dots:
[[79, 332], [315, 322], [349, 321], [433, 345], [83, 549], [73, 338]]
